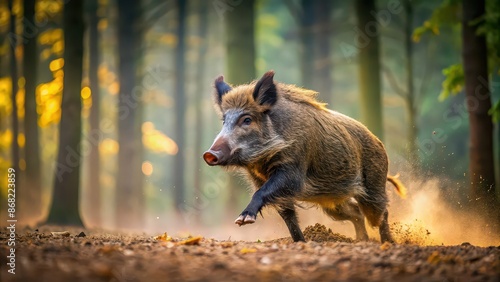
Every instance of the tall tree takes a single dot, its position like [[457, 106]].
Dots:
[[93, 189], [322, 61], [410, 92], [314, 19], [14, 74], [481, 166], [200, 90], [180, 105], [65, 199], [33, 179], [129, 196], [369, 68], [240, 43], [307, 21], [240, 64]]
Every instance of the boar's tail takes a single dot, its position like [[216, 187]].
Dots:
[[400, 188]]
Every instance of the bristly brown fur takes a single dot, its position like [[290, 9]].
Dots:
[[241, 97], [294, 149], [300, 95]]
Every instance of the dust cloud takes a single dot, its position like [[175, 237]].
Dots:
[[429, 217]]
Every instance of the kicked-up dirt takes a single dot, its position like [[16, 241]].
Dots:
[[51, 254]]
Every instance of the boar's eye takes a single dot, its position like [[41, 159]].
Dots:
[[247, 121]]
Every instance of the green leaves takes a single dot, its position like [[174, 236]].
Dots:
[[448, 14], [453, 82], [495, 112]]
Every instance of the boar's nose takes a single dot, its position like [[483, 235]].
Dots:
[[218, 153], [211, 157]]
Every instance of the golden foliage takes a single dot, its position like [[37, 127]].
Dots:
[[109, 146], [86, 92], [5, 139], [21, 139], [156, 141], [20, 95], [56, 64], [48, 9], [53, 42], [49, 96], [5, 100], [86, 95], [4, 18]]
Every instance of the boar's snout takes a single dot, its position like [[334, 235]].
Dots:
[[218, 154]]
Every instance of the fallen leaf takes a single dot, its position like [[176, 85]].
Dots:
[[191, 241], [163, 237], [248, 250]]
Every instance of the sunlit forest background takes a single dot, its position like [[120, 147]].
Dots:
[[141, 74]]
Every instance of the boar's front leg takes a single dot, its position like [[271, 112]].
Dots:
[[284, 183]]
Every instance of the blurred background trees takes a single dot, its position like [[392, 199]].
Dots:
[[65, 205], [135, 111]]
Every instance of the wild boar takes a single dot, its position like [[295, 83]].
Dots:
[[294, 149]]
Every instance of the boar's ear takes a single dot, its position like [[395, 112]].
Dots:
[[265, 90], [221, 88]]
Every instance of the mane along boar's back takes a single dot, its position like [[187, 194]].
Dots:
[[294, 149]]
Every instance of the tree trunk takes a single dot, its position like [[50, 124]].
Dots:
[[33, 180], [129, 196], [180, 106], [240, 67], [65, 200], [322, 62], [94, 187], [413, 157], [369, 69], [481, 168], [240, 43], [14, 74], [307, 43], [200, 90]]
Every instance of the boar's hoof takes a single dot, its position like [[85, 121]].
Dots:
[[244, 219]]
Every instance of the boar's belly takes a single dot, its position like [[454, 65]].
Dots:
[[333, 198], [325, 201]]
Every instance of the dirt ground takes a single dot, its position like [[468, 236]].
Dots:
[[87, 255]]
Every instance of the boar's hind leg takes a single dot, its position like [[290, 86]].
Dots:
[[287, 212], [350, 211], [385, 232], [373, 203]]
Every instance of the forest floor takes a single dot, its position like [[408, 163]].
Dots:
[[86, 255]]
